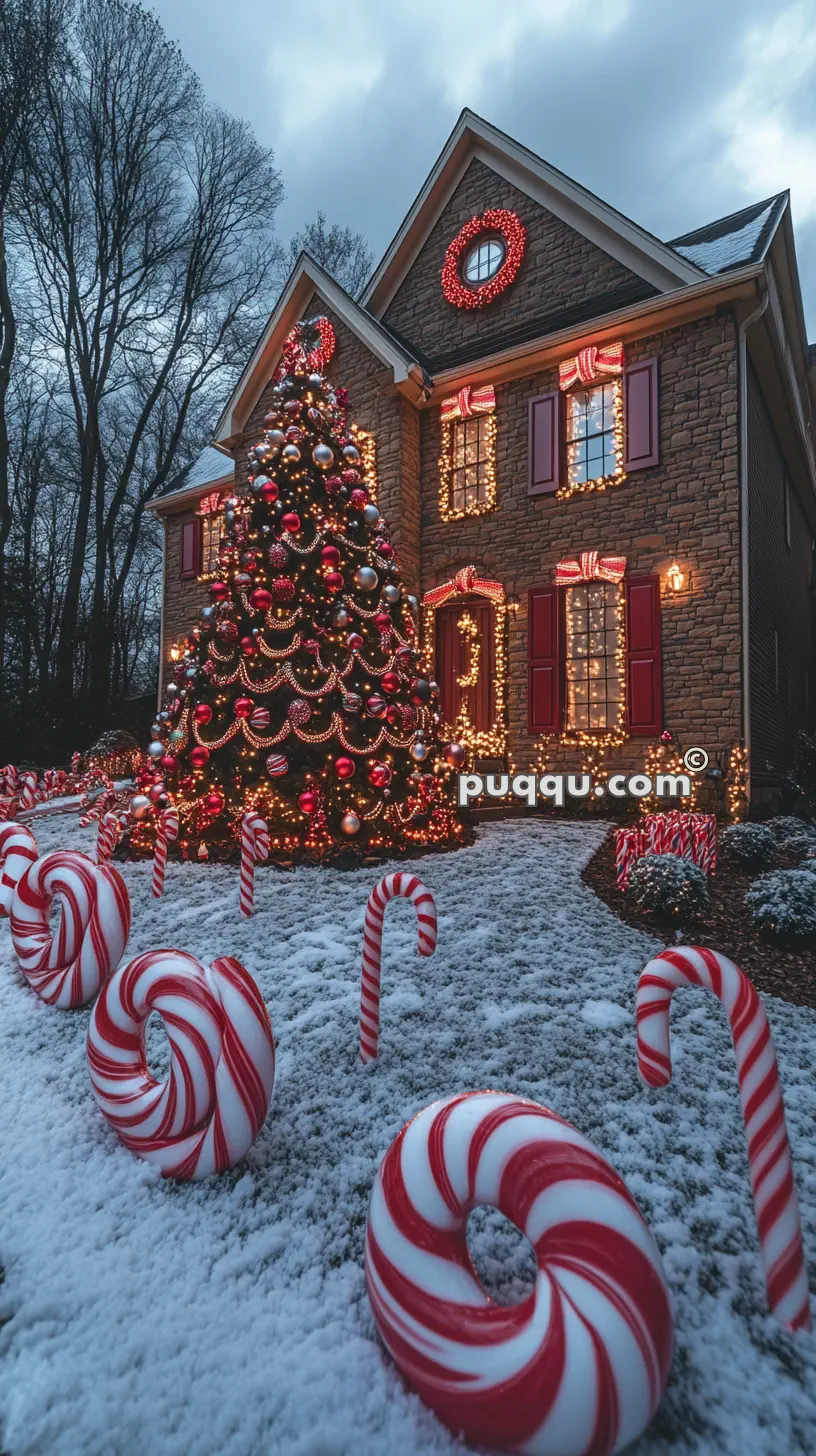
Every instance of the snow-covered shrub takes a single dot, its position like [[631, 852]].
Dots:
[[670, 887], [786, 826], [799, 844], [748, 844], [783, 903]]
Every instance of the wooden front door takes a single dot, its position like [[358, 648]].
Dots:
[[461, 653]]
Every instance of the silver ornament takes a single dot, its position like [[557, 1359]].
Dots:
[[259, 451], [391, 594], [323, 455], [350, 824], [315, 381], [366, 578], [139, 805], [292, 453], [207, 613], [163, 717], [171, 690], [155, 750], [413, 603], [341, 617], [155, 730], [275, 438], [418, 752], [370, 514], [351, 453]]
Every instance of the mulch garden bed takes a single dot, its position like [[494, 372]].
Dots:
[[778, 969]]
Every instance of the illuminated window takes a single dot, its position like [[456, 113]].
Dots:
[[484, 261], [591, 452], [471, 463], [211, 527], [594, 686]]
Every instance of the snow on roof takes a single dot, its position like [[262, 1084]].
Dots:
[[210, 465], [732, 241]]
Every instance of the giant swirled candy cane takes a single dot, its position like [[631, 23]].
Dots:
[[254, 846], [107, 836], [423, 901], [68, 970], [581, 1363], [167, 828], [222, 1061], [18, 850], [769, 1159]]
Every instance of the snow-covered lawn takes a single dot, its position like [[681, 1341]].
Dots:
[[231, 1317]]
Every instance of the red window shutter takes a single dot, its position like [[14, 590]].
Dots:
[[644, 695], [544, 660], [640, 416], [190, 547], [544, 448]]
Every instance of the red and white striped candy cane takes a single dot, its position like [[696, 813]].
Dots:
[[657, 833], [11, 780], [769, 1158], [167, 828], [627, 851], [254, 847], [29, 791], [423, 901], [6, 806], [18, 850], [107, 837], [68, 969], [222, 1061], [578, 1366]]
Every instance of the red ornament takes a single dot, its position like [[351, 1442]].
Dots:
[[277, 556], [344, 768], [269, 491], [291, 521], [389, 682], [261, 599], [283, 589], [334, 581], [383, 620], [455, 754], [309, 801], [375, 706], [383, 548], [333, 484], [259, 719], [354, 642], [358, 500], [293, 435], [312, 645], [379, 775], [214, 803], [219, 590], [156, 792], [405, 656], [392, 715], [293, 408], [276, 765], [350, 476], [199, 756], [202, 713], [227, 630], [248, 646], [242, 707], [299, 711], [168, 762], [665, 736], [495, 221], [330, 556]]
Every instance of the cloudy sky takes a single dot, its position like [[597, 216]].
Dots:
[[676, 113]]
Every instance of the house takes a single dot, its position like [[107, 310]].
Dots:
[[596, 454]]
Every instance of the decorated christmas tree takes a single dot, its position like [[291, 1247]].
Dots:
[[301, 692]]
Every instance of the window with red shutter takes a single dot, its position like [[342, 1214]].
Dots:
[[190, 548], [544, 660], [544, 442], [644, 688], [640, 416]]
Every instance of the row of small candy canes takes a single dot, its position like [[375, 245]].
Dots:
[[593, 1246], [689, 835], [21, 791]]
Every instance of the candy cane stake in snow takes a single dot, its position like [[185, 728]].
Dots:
[[423, 901], [222, 1062], [18, 850], [254, 846], [67, 969], [769, 1158], [581, 1363], [167, 829], [107, 837]]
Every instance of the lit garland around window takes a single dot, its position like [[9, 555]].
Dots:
[[495, 222], [492, 742], [737, 775], [594, 746], [467, 628], [463, 406], [618, 475]]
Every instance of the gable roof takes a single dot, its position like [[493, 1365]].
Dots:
[[211, 466], [638, 250], [731, 242], [306, 278]]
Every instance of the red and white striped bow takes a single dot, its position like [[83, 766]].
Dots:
[[589, 566], [590, 363], [464, 582], [468, 402]]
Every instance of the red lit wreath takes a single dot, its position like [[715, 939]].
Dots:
[[299, 350], [514, 235]]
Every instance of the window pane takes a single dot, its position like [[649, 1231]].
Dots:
[[594, 688]]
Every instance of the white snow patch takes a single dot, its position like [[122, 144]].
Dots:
[[605, 1013], [732, 248]]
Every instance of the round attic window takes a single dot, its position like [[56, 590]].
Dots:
[[484, 261]]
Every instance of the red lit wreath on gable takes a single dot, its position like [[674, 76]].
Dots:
[[496, 221], [308, 346]]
